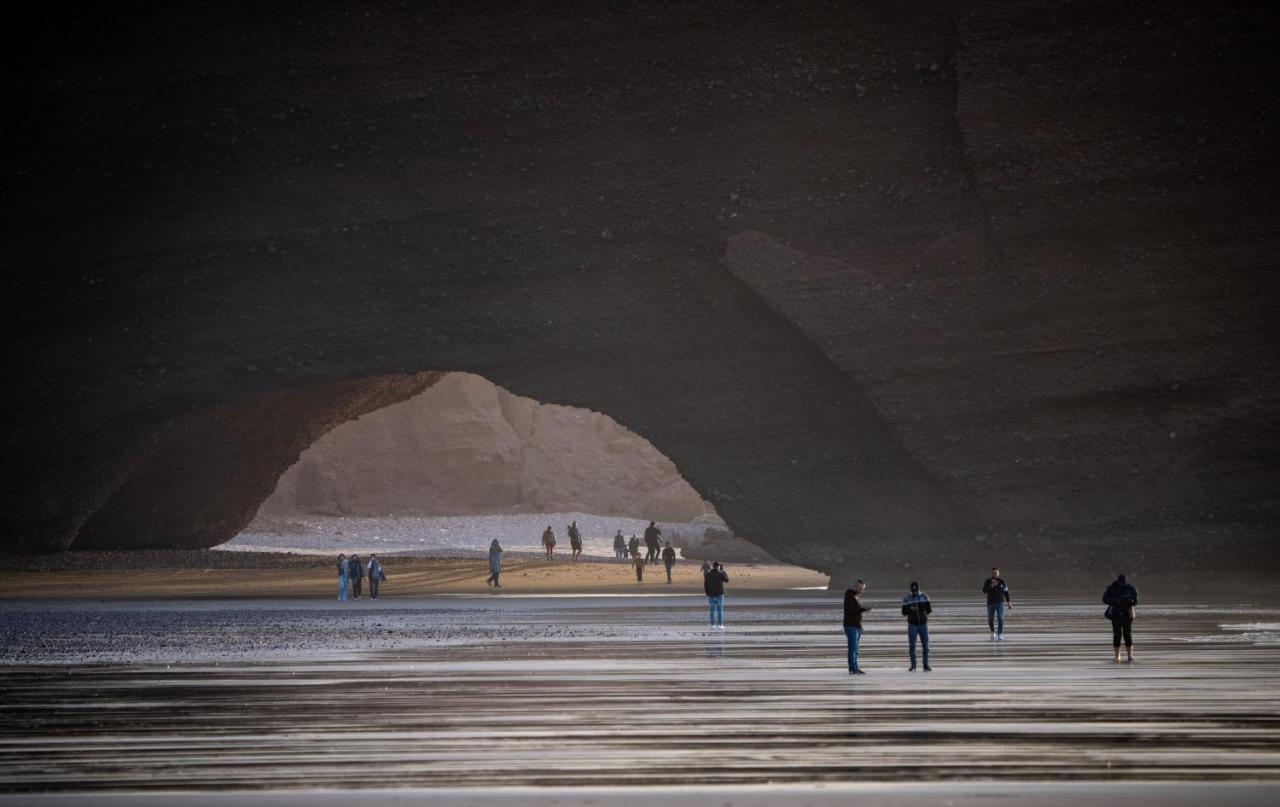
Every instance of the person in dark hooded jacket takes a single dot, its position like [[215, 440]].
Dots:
[[916, 608], [355, 573], [1122, 600]]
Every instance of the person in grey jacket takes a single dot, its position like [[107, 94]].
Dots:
[[916, 608], [375, 576]]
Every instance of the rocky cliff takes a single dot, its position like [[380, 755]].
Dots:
[[465, 446], [882, 279]]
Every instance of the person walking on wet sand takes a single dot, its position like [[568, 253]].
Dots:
[[916, 608], [549, 542], [495, 564], [633, 547], [713, 584], [355, 571], [575, 541], [638, 562], [653, 540], [1122, 606], [375, 576], [619, 546], [342, 578], [853, 611], [997, 600], [668, 559]]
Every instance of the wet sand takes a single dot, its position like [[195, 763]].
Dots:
[[574, 696]]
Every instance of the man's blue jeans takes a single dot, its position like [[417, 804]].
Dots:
[[853, 635], [342, 586], [923, 632], [716, 606], [994, 611]]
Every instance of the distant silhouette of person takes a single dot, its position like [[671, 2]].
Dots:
[[549, 541], [713, 585], [575, 541], [997, 600], [376, 576], [495, 564], [916, 608], [668, 559], [652, 539], [342, 578], [706, 567], [619, 546], [853, 611], [639, 563], [355, 572], [633, 547], [1122, 606]]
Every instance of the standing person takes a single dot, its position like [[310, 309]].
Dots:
[[375, 576], [853, 611], [549, 542], [495, 564], [355, 571], [713, 584], [638, 562], [575, 541], [1122, 606], [653, 540], [342, 578], [634, 547], [997, 600], [668, 559], [916, 608], [619, 546]]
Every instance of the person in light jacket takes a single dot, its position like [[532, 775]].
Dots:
[[495, 564], [342, 578]]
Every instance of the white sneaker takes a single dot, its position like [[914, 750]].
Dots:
[[1000, 637], [993, 636]]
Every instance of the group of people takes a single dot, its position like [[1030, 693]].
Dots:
[[549, 542], [352, 572], [1121, 599]]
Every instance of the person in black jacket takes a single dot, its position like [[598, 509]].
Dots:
[[997, 600], [713, 584], [853, 611], [668, 558], [916, 608], [355, 572], [1122, 600]]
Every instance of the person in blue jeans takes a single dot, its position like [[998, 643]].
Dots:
[[713, 583], [916, 608], [997, 592], [853, 611], [342, 577]]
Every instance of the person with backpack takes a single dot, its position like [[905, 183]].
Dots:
[[375, 576], [1122, 606], [916, 608], [619, 546], [853, 611], [495, 564], [713, 585], [997, 600], [355, 573], [342, 578], [668, 559], [575, 541], [549, 542]]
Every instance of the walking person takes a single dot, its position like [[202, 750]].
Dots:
[[668, 559], [633, 547], [575, 541], [355, 571], [549, 542], [619, 546], [495, 564], [639, 563], [375, 576], [342, 578], [1122, 606], [997, 600], [713, 584], [916, 608], [853, 611], [653, 540]]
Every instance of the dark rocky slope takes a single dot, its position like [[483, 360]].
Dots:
[[884, 279]]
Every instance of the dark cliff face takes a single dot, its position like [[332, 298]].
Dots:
[[884, 280]]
